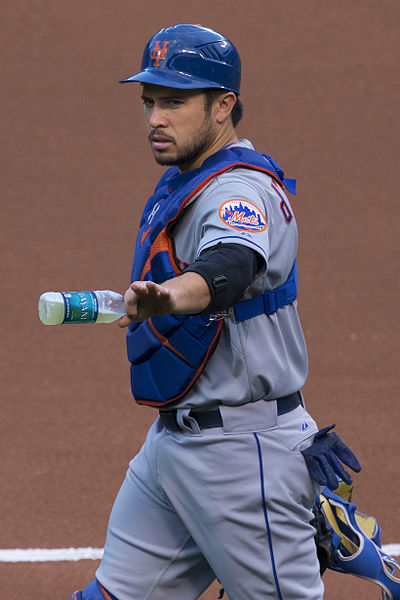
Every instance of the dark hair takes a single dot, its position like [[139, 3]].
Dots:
[[237, 110]]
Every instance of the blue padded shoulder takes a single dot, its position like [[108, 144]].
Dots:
[[94, 591]]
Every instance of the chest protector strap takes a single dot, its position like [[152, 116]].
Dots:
[[270, 301], [168, 353]]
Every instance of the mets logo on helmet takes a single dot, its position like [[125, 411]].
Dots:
[[159, 53], [242, 215]]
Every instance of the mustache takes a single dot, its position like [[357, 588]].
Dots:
[[159, 134]]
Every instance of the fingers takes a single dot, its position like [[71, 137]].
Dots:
[[124, 321], [132, 307], [329, 473], [324, 431], [143, 299], [345, 454], [315, 471], [339, 469], [143, 289]]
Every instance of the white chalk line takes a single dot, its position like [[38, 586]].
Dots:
[[391, 549], [17, 555]]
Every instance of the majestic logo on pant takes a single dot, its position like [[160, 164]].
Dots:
[[242, 215], [159, 53]]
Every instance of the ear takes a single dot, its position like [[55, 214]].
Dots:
[[224, 104]]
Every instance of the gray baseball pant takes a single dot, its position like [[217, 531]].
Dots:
[[232, 502]]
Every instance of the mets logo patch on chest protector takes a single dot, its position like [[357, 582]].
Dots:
[[242, 215]]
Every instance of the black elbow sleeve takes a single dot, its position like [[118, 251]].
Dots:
[[228, 270]]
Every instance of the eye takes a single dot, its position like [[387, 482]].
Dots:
[[175, 102], [147, 102]]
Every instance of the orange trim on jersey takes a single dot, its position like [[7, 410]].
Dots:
[[284, 206], [198, 373], [166, 343], [104, 591], [210, 177], [274, 184]]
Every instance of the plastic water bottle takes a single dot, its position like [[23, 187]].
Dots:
[[99, 306]]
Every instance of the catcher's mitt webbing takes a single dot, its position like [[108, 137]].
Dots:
[[332, 519], [344, 490], [367, 523], [369, 526]]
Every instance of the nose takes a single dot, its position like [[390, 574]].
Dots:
[[157, 117]]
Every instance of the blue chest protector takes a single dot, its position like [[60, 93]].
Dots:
[[168, 353]]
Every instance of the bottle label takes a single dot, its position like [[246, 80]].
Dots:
[[80, 307]]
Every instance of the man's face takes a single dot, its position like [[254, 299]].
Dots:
[[180, 129]]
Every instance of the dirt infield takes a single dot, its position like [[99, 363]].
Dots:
[[320, 92]]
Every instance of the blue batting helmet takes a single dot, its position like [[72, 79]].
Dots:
[[190, 57]]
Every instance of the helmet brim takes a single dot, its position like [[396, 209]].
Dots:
[[172, 79]]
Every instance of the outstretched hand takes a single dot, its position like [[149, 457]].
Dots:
[[143, 299]]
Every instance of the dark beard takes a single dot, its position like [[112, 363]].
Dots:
[[189, 153]]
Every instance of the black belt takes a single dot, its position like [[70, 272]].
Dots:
[[213, 418]]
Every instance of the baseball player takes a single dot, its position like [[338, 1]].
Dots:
[[220, 488]]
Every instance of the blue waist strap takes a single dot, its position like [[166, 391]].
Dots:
[[269, 302]]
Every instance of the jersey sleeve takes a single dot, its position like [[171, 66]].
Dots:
[[232, 210]]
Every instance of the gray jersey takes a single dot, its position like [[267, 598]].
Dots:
[[193, 505], [266, 356]]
